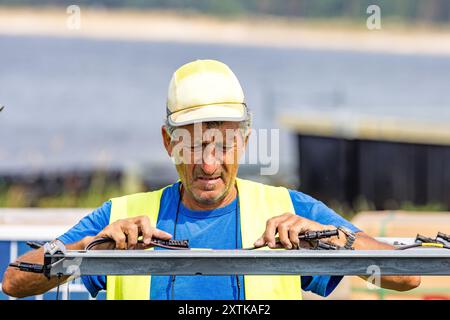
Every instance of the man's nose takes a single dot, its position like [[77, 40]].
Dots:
[[209, 161], [209, 169]]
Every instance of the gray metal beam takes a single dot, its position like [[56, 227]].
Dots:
[[428, 261]]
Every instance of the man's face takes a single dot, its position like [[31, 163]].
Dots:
[[207, 158]]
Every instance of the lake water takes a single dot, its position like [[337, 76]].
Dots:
[[83, 103]]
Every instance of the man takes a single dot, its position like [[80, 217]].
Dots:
[[206, 132]]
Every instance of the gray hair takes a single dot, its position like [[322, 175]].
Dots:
[[245, 125]]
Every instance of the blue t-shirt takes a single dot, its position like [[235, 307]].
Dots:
[[214, 229]]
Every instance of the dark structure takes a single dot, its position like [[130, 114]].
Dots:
[[386, 174], [361, 163]]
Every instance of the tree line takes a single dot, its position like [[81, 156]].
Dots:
[[434, 11]]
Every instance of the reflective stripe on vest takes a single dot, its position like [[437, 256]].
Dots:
[[258, 203]]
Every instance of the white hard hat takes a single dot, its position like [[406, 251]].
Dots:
[[204, 90]]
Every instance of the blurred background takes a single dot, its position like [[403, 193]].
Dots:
[[359, 93]]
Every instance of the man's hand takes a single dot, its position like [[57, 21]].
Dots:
[[125, 233], [289, 226]]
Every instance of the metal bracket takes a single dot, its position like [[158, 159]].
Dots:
[[430, 261]]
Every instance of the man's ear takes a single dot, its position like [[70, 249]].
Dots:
[[166, 140]]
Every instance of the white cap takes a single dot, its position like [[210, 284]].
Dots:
[[204, 90]]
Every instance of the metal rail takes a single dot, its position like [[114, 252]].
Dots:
[[429, 261]]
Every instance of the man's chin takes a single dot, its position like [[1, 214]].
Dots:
[[209, 197]]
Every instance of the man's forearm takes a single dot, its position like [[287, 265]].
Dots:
[[365, 242], [21, 284], [399, 283]]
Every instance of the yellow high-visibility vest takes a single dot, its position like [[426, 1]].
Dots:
[[258, 203]]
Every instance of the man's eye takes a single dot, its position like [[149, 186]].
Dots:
[[226, 147], [195, 147]]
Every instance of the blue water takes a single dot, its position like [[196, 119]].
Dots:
[[83, 103]]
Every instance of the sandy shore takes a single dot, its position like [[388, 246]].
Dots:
[[268, 31]]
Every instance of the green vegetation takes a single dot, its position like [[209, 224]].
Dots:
[[19, 195], [16, 197], [430, 11], [408, 206]]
